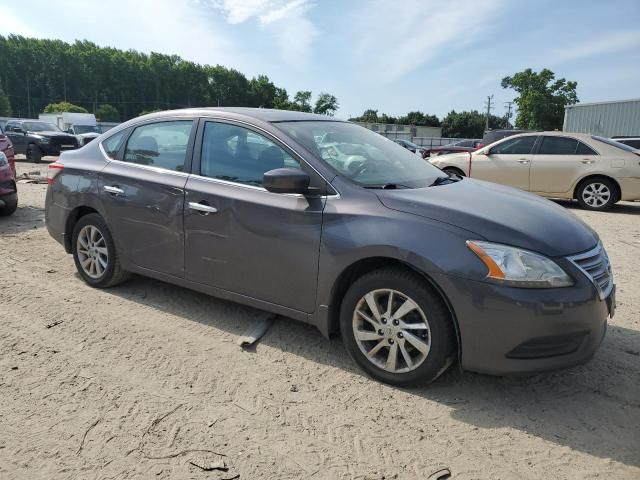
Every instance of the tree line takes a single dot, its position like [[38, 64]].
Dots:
[[123, 84], [541, 101]]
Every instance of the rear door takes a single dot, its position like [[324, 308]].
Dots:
[[559, 162], [506, 163], [18, 139], [238, 236], [142, 192]]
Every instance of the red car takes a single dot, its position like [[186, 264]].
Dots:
[[8, 189], [461, 146]]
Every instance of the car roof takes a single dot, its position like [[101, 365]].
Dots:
[[264, 114], [555, 133]]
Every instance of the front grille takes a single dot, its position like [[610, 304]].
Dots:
[[596, 266], [64, 143]]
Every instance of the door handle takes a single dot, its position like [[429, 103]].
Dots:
[[202, 208], [113, 190], [587, 161], [523, 161]]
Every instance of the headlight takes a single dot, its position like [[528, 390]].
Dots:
[[519, 268], [3, 160]]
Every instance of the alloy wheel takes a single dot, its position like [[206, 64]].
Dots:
[[92, 251], [596, 194], [391, 330]]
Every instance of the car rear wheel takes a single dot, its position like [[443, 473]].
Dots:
[[34, 154], [94, 253], [597, 194], [397, 328]]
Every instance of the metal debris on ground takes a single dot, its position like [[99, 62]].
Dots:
[[256, 331], [53, 324], [440, 474], [210, 466]]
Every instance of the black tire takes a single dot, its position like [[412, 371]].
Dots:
[[34, 154], [442, 333], [10, 206], [586, 198], [453, 171], [113, 273]]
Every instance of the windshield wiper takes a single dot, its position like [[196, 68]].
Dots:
[[387, 186], [446, 180]]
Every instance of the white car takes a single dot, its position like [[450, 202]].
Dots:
[[596, 171]]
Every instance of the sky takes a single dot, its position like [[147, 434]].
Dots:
[[392, 56]]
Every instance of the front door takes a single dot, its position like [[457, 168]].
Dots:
[[559, 163], [240, 237], [143, 195], [506, 163]]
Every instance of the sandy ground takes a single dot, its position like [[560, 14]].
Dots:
[[143, 379]]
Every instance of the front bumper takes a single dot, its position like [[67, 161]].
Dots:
[[506, 330]]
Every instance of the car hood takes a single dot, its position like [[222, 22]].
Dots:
[[498, 214], [52, 133]]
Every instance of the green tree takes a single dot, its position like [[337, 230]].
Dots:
[[368, 116], [469, 124], [302, 101], [262, 92], [419, 118], [281, 99], [5, 105], [64, 107], [541, 98], [326, 104], [107, 113]]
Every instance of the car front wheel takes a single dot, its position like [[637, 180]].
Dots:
[[94, 253], [597, 194], [34, 154], [397, 328]]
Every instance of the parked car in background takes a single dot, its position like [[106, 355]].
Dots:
[[36, 139], [456, 147], [8, 187], [633, 142], [82, 125], [6, 147], [412, 147], [596, 171], [414, 268], [492, 136]]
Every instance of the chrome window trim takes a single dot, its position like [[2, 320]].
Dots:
[[260, 189], [598, 250]]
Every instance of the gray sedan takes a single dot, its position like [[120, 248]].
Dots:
[[331, 224]]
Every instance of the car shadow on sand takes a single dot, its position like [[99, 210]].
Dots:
[[594, 408], [629, 208], [25, 218]]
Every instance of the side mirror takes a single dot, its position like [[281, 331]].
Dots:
[[286, 180]]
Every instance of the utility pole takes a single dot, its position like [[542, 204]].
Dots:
[[508, 105], [489, 107]]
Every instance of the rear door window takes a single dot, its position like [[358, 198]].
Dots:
[[112, 144], [584, 149], [515, 146], [162, 144], [558, 146]]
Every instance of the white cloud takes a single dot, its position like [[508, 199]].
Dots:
[[396, 38], [615, 42], [286, 20], [145, 25]]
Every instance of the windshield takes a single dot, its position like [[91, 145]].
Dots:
[[40, 127], [613, 143], [79, 129], [363, 156]]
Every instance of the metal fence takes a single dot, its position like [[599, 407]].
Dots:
[[437, 141]]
